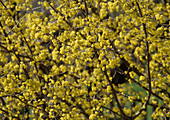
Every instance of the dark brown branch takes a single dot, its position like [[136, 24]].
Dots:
[[76, 29], [2, 100], [35, 65], [86, 8], [139, 100], [148, 68], [136, 82], [7, 113], [123, 115], [111, 110], [61, 15], [78, 106]]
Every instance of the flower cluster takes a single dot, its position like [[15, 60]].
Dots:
[[84, 59]]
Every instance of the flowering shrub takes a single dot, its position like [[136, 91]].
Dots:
[[84, 59]]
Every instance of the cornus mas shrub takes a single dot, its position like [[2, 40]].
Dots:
[[84, 59]]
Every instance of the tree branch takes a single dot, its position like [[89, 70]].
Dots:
[[123, 115]]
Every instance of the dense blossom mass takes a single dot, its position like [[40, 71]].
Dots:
[[84, 59]]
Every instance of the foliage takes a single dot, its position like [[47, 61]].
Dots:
[[84, 59]]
